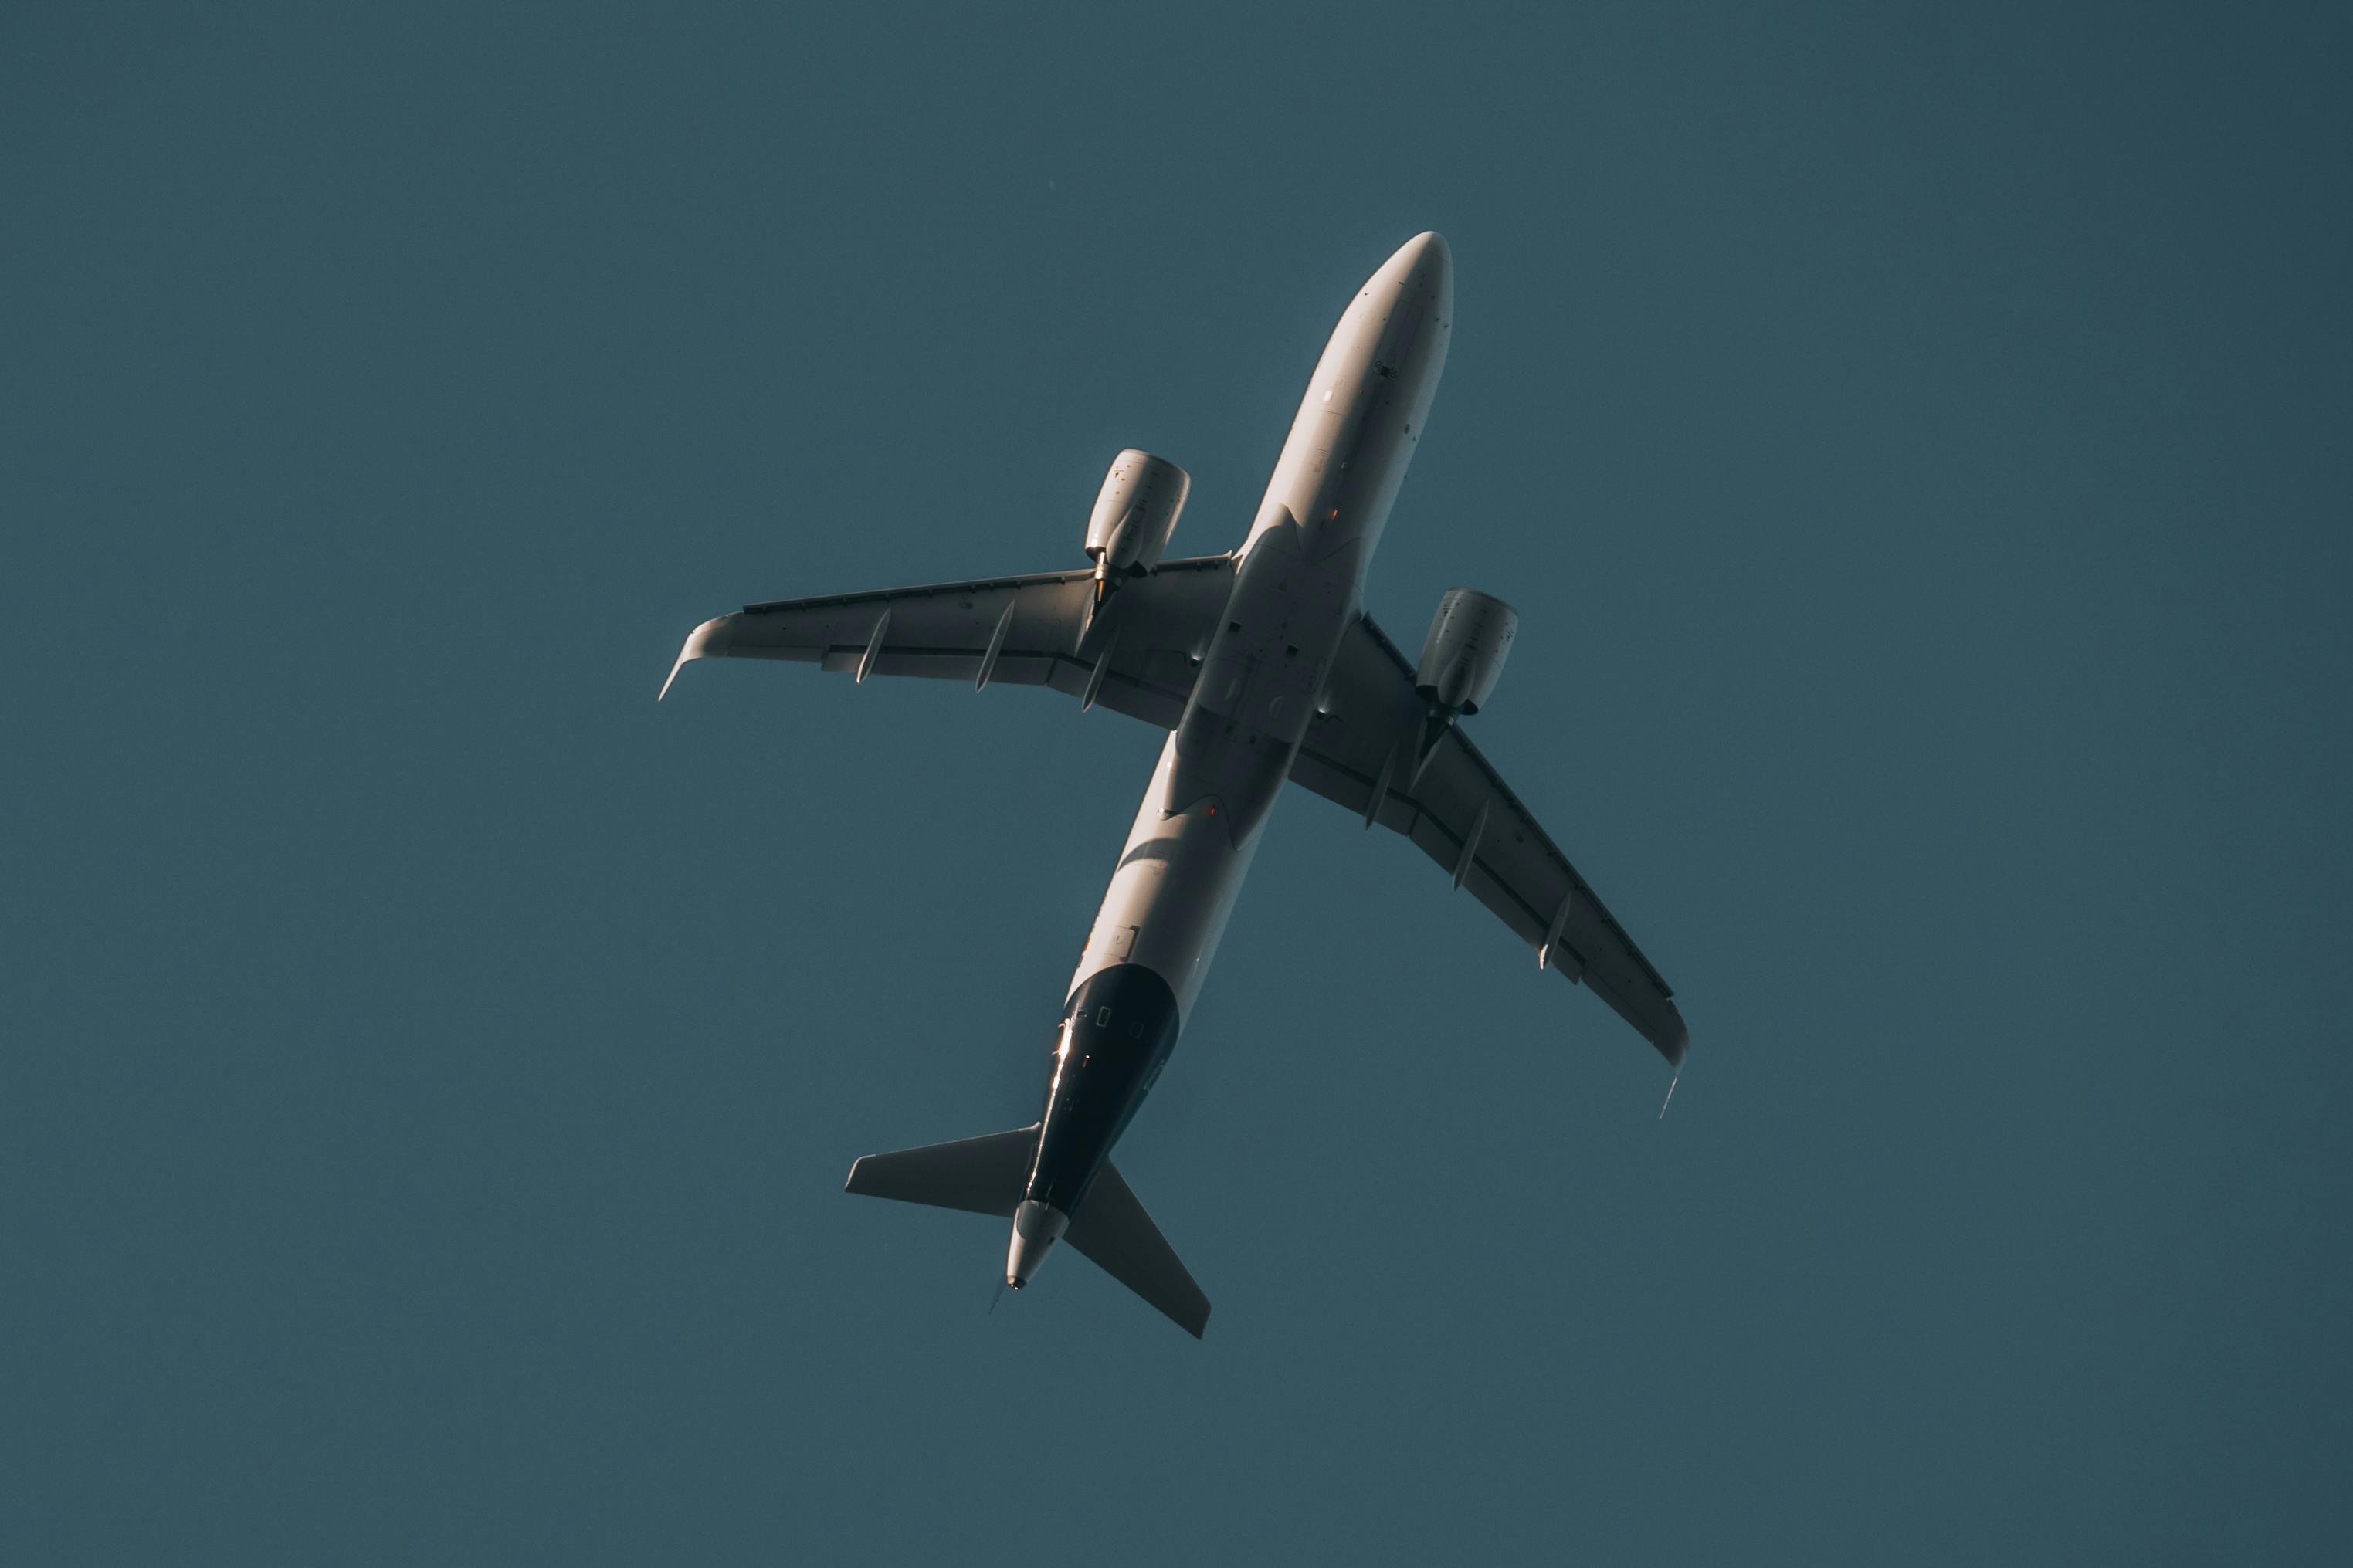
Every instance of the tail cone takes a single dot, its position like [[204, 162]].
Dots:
[[1036, 1227]]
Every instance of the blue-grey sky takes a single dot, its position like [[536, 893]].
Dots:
[[1916, 439]]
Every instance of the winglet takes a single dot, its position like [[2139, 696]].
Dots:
[[1674, 1042], [697, 646]]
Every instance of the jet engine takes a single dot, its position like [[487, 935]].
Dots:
[[1464, 654], [1134, 514]]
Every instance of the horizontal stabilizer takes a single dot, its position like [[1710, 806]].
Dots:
[[981, 1175], [1113, 1230]]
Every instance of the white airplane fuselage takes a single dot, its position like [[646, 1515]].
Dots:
[[1298, 585]]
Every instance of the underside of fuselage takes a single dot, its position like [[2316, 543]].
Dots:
[[1117, 1030]]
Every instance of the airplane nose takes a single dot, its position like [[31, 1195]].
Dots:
[[1427, 257], [1423, 265]]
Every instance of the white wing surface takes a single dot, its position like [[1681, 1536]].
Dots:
[[1135, 654], [1361, 754]]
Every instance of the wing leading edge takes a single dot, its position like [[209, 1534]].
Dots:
[[1135, 654], [1461, 815]]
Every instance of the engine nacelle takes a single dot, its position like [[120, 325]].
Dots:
[[1134, 514], [1463, 656]]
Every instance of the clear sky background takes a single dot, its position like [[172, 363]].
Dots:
[[1916, 439]]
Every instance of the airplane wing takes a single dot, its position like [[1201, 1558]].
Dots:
[[1360, 753], [1135, 654]]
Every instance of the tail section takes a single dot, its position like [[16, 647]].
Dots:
[[981, 1175], [988, 1175]]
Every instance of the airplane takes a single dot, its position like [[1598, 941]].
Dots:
[[1263, 668]]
